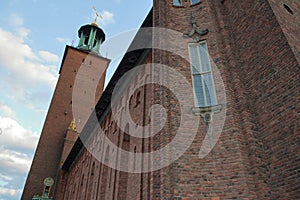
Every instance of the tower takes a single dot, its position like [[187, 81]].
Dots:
[[46, 162], [90, 37]]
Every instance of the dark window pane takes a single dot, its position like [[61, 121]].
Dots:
[[198, 88]]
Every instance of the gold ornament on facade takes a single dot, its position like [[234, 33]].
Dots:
[[72, 125]]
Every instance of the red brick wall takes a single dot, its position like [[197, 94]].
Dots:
[[289, 22], [48, 153], [108, 183], [257, 155], [269, 71], [69, 140], [222, 173], [250, 49]]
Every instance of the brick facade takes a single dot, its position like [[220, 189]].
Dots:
[[254, 47], [48, 154]]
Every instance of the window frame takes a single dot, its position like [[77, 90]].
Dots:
[[213, 98]]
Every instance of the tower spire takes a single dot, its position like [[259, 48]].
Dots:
[[91, 36]]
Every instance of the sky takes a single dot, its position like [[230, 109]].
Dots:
[[33, 36]]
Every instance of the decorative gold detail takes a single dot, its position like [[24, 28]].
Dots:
[[73, 125], [94, 23]]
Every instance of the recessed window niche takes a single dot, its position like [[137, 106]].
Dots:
[[288, 9]]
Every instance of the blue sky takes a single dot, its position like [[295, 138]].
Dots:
[[33, 35]]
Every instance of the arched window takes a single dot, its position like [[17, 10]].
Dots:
[[90, 188], [123, 177], [105, 176], [137, 99], [288, 9], [93, 169], [131, 101], [126, 137], [82, 178], [134, 159]]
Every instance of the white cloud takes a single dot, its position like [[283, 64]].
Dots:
[[17, 145], [18, 58], [6, 111], [24, 73], [107, 17], [48, 56], [15, 50], [15, 166], [14, 136], [15, 161], [7, 191], [5, 178]]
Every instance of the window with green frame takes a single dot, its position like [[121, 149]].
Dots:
[[202, 77]]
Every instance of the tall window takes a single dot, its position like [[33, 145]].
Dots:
[[177, 3], [203, 83], [194, 1]]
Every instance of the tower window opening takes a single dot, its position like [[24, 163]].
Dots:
[[110, 175], [86, 40], [288, 9], [203, 83], [93, 169], [95, 43], [134, 159], [82, 178], [177, 2], [138, 99]]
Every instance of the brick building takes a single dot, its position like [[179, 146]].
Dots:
[[243, 120]]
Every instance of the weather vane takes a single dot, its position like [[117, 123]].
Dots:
[[97, 14]]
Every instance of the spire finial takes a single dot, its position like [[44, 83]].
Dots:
[[97, 15]]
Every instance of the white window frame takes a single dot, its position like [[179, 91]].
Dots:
[[212, 90]]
